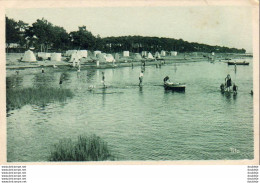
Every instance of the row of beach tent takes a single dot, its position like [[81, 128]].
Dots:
[[76, 55]]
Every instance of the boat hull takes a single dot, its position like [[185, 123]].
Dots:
[[175, 87], [238, 63]]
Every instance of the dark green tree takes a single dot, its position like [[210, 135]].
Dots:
[[12, 32]]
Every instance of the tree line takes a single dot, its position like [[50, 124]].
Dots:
[[44, 36]]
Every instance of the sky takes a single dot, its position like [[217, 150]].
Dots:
[[215, 25]]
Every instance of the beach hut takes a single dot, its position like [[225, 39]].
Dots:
[[144, 53], [56, 57], [173, 53], [96, 53], [125, 53], [163, 53], [29, 57], [150, 56]]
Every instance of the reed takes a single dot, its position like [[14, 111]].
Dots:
[[18, 97], [86, 148]]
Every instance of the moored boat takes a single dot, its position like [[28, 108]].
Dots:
[[175, 86], [237, 63]]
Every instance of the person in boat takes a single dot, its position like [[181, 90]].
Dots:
[[103, 79], [235, 88], [166, 79], [228, 82], [141, 77]]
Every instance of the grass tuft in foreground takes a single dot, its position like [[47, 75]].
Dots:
[[18, 97], [86, 148]]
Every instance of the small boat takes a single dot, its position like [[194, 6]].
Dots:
[[175, 86], [238, 63]]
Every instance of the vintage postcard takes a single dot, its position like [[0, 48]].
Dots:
[[145, 82]]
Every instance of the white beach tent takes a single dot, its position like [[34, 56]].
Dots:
[[101, 57], [137, 56], [163, 53], [125, 53], [83, 53], [29, 57], [96, 53], [173, 53], [157, 55], [44, 55], [150, 56], [116, 56], [56, 57], [70, 52], [74, 58], [67, 53], [109, 58]]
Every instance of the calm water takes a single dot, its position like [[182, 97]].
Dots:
[[139, 123]]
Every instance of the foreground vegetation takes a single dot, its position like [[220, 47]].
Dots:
[[18, 97], [86, 148]]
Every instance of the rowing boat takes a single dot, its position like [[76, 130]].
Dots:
[[175, 86]]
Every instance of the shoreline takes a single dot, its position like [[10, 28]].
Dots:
[[88, 63], [92, 65]]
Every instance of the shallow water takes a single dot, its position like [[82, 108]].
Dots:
[[145, 123]]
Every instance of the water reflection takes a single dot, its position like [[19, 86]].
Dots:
[[141, 90], [104, 96]]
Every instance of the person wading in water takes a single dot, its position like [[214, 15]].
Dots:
[[235, 89], [103, 79], [228, 82], [141, 78]]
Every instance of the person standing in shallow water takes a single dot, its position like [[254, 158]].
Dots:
[[141, 78], [42, 70], [228, 82], [103, 79], [235, 88]]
